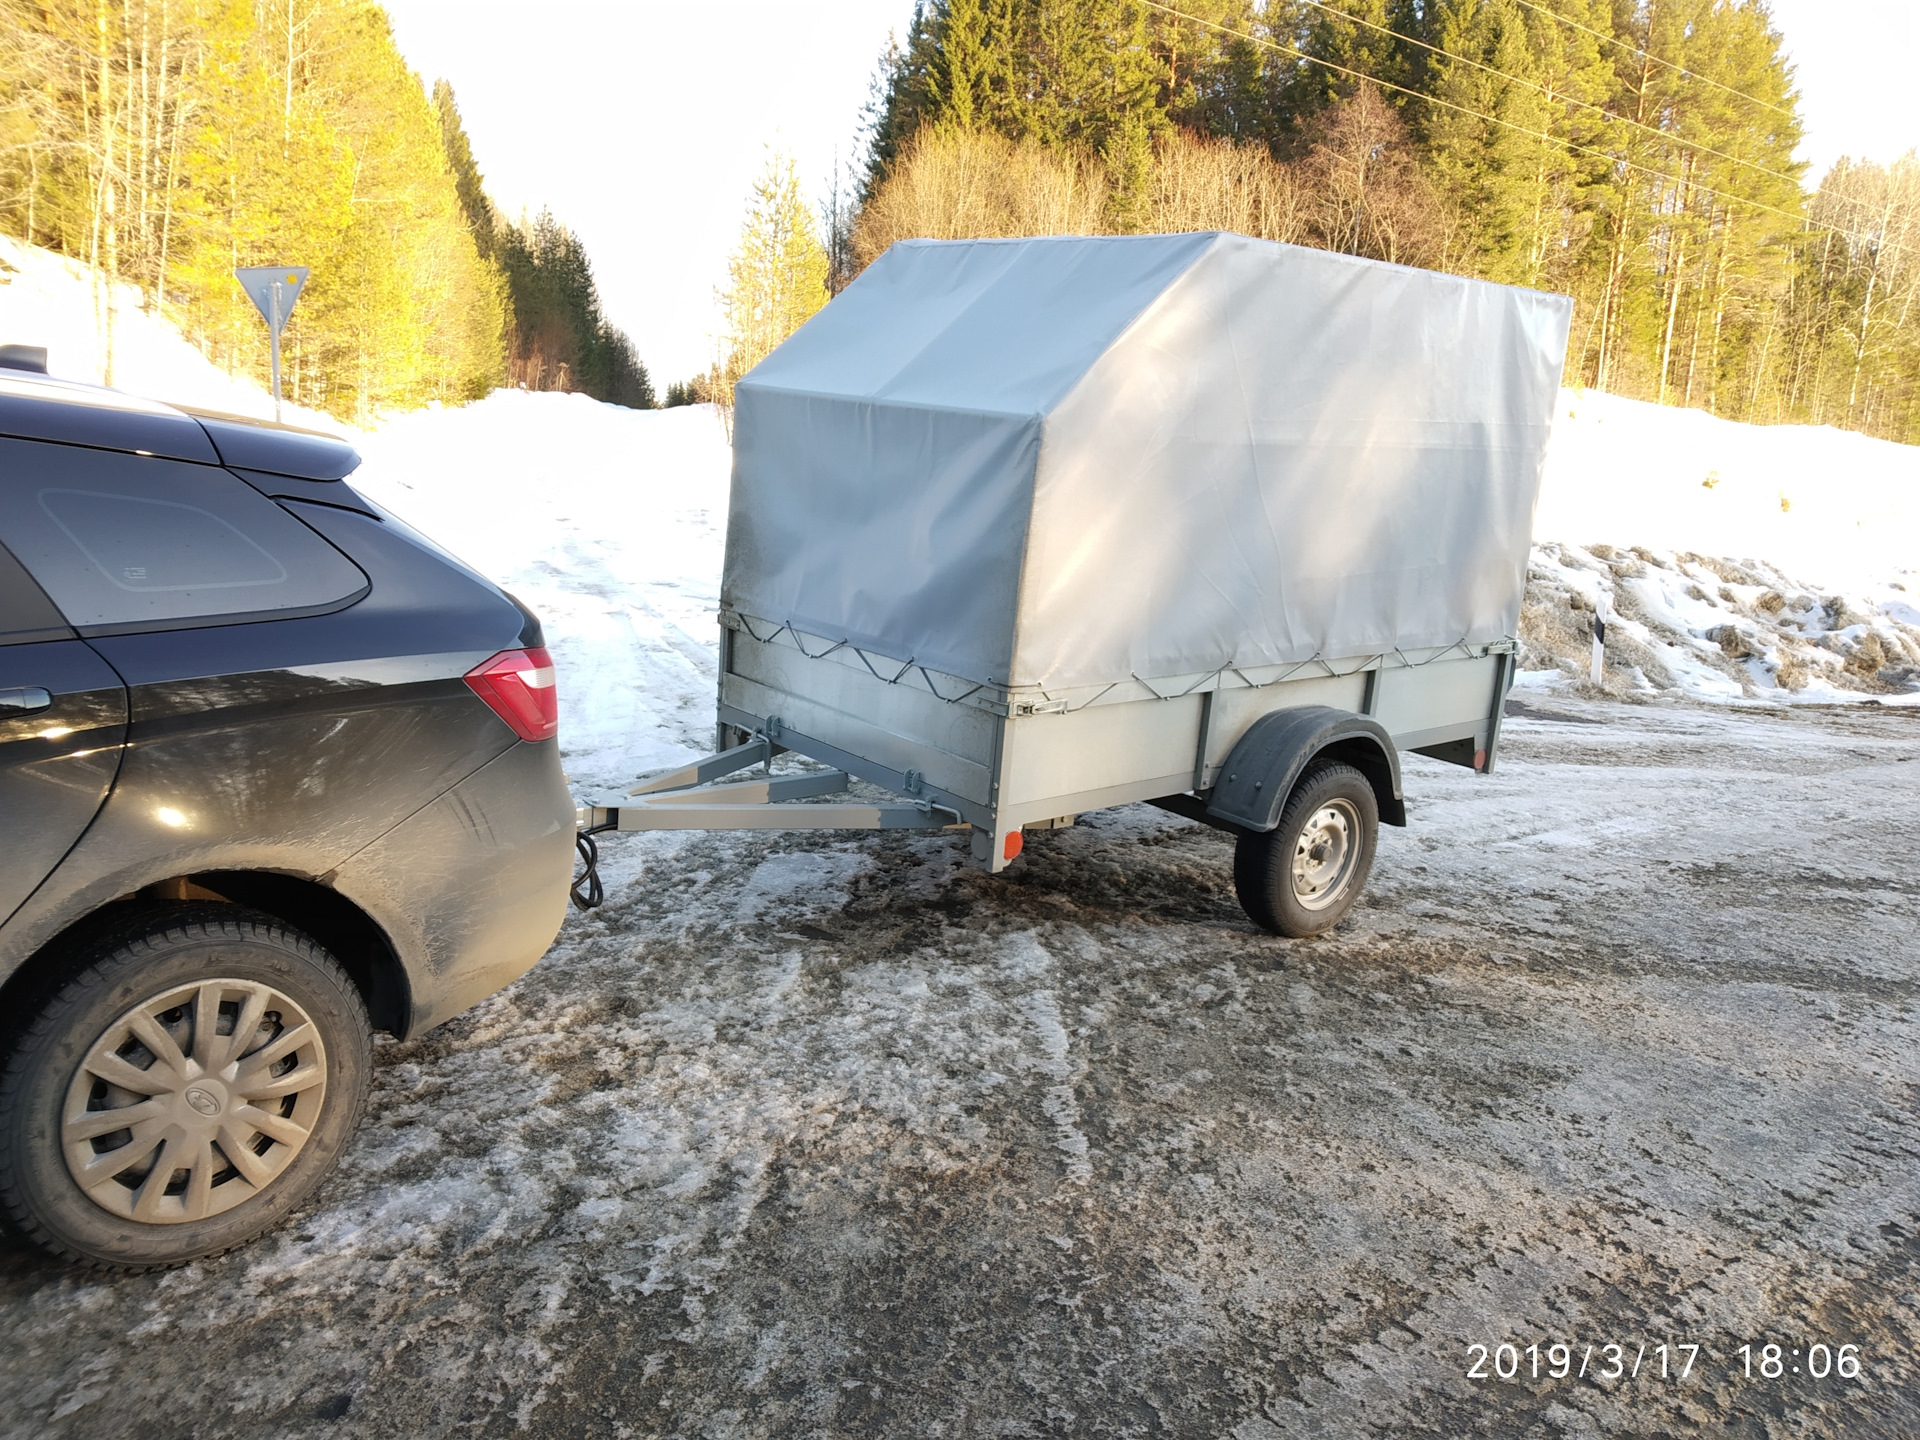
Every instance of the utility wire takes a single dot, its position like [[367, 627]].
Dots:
[[1676, 180], [1635, 50], [1338, 69], [1656, 60], [1665, 135]]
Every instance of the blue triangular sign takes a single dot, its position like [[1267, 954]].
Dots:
[[273, 288]]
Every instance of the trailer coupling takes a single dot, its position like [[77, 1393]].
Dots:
[[688, 799]]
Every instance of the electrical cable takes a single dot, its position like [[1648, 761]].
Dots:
[[1680, 70], [1684, 184], [1666, 136], [1352, 74], [590, 877]]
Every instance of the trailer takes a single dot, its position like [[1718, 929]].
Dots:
[[1022, 529]]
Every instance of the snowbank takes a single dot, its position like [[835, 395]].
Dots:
[[49, 300], [1734, 562], [1833, 508]]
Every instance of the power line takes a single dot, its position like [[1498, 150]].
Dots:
[[1635, 50], [1649, 56], [1664, 135], [1475, 114], [1801, 220]]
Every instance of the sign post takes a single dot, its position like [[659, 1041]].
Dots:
[[273, 290]]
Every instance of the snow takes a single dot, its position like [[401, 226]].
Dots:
[[51, 301], [1739, 563], [609, 524], [803, 881], [1832, 508]]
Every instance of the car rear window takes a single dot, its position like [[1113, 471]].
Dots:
[[132, 542]]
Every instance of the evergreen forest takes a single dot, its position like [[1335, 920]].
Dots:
[[166, 142], [1634, 154]]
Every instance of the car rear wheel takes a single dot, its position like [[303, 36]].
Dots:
[[189, 1085], [1303, 876]]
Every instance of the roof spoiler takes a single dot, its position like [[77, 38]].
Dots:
[[24, 357]]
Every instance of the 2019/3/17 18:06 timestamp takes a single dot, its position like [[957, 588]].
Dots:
[[1662, 1362]]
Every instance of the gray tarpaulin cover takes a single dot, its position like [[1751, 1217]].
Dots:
[[1071, 461]]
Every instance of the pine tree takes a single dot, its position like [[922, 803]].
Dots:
[[957, 71], [561, 339], [1213, 68], [777, 278], [1525, 174], [469, 186], [1360, 46]]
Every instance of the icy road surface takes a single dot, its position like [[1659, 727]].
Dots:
[[797, 1138], [819, 1138]]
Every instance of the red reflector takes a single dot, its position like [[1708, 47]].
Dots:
[[1015, 839], [518, 687]]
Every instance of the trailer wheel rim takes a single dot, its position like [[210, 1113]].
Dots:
[[1324, 855], [194, 1101]]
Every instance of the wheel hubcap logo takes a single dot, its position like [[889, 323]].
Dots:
[[194, 1100]]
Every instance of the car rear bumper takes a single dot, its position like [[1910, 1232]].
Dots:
[[471, 889]]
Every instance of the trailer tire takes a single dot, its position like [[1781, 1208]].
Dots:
[[1300, 878]]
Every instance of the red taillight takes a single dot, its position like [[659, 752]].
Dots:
[[518, 687]]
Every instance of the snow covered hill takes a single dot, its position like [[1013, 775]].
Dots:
[[49, 300], [1735, 563]]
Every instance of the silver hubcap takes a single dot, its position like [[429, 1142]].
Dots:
[[194, 1101], [1324, 855]]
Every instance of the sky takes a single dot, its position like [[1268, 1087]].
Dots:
[[642, 124], [1853, 60]]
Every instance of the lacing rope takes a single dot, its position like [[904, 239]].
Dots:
[[1377, 660], [934, 690], [906, 668]]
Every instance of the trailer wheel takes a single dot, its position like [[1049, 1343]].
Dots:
[[1300, 878]]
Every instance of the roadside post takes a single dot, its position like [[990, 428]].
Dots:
[[273, 290]]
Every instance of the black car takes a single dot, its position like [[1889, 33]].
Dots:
[[275, 773]]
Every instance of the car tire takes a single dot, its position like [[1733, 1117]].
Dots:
[[1302, 877], [222, 1033]]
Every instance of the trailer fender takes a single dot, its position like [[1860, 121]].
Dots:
[[1266, 761]]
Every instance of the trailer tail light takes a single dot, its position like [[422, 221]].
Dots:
[[518, 687]]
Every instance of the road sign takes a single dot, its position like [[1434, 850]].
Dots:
[[273, 290]]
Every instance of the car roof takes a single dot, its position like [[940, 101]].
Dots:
[[34, 406]]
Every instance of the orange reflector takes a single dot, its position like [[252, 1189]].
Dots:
[[1479, 759], [1014, 841]]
